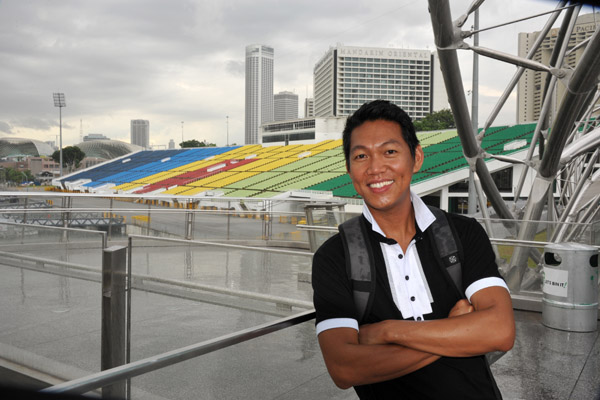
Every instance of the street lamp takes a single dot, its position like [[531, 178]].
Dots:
[[59, 101]]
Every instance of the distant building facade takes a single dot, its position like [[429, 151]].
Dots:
[[309, 107], [140, 132], [259, 89], [95, 136], [302, 131], [285, 106], [171, 144], [531, 85], [346, 77]]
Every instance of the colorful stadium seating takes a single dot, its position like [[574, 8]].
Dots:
[[257, 171]]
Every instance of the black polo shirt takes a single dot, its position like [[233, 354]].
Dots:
[[448, 377]]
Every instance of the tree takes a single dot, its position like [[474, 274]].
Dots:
[[72, 156], [16, 176], [442, 119], [195, 143]]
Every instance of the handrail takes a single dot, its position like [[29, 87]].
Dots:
[[138, 280], [107, 377], [224, 245], [154, 197], [514, 242], [138, 209], [46, 261], [58, 228]]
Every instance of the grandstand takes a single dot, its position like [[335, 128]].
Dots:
[[263, 172]]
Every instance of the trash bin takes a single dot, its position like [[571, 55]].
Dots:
[[570, 287]]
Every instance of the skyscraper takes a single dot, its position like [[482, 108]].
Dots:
[[531, 85], [309, 107], [285, 106], [346, 77], [140, 132], [259, 89]]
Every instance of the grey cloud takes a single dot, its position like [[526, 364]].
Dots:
[[183, 59], [38, 123], [235, 67], [6, 128]]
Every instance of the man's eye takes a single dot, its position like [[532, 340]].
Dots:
[[359, 156], [390, 151]]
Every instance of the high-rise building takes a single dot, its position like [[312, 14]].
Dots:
[[531, 85], [259, 89], [346, 77], [309, 107], [140, 132], [285, 106], [171, 144]]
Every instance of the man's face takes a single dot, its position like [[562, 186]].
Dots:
[[381, 166]]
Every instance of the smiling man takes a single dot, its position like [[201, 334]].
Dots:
[[420, 335]]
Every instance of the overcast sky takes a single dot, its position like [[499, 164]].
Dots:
[[177, 60]]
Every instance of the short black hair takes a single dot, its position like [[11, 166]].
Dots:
[[380, 110]]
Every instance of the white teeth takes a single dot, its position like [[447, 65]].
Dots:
[[379, 185]]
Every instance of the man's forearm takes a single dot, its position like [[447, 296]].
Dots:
[[350, 363], [489, 328]]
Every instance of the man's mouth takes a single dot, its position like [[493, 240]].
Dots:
[[379, 185]]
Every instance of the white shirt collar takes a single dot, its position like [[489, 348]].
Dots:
[[423, 215]]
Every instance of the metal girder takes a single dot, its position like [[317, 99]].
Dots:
[[447, 38], [581, 83]]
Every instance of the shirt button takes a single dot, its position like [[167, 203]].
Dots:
[[400, 256], [412, 298], [406, 277]]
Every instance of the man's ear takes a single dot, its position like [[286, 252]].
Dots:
[[419, 158]]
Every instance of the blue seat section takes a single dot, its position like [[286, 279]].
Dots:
[[145, 163]]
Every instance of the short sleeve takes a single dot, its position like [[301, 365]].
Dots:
[[479, 267], [332, 291]]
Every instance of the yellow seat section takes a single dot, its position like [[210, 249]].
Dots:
[[176, 190], [274, 164]]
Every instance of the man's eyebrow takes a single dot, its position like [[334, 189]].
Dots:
[[387, 142], [357, 147]]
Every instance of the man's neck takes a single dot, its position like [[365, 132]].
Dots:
[[398, 224]]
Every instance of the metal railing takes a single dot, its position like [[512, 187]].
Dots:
[[159, 361], [527, 301]]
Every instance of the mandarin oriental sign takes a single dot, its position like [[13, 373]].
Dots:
[[384, 53]]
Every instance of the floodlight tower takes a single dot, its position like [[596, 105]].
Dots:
[[59, 101]]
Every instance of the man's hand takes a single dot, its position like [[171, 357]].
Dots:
[[461, 307]]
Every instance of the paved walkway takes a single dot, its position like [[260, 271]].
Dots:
[[50, 328]]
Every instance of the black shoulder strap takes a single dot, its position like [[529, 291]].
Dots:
[[360, 264], [447, 247]]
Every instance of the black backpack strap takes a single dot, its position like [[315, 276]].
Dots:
[[448, 248], [360, 264], [450, 254]]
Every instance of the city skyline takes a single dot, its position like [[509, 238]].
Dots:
[[185, 62]]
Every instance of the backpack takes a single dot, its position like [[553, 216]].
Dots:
[[360, 263]]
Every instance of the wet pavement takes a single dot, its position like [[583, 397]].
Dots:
[[50, 327]]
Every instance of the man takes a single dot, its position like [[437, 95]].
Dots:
[[420, 340]]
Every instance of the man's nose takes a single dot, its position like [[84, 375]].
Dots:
[[377, 165]]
